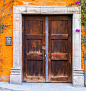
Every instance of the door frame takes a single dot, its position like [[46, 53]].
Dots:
[[77, 72]]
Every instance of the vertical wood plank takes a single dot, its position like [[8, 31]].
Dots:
[[70, 47]]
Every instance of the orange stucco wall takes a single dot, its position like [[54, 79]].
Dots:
[[7, 51]]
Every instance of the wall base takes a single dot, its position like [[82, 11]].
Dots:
[[78, 77], [15, 76]]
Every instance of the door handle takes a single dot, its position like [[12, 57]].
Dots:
[[43, 47], [43, 51]]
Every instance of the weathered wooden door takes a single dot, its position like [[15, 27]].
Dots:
[[60, 49], [34, 49]]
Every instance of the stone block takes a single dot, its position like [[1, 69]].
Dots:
[[16, 37], [16, 61], [16, 49], [76, 50], [33, 10], [20, 22], [74, 9], [76, 63], [46, 10], [71, 9], [15, 76], [17, 55], [78, 78], [78, 9], [77, 23], [77, 16], [48, 6], [19, 9], [17, 16], [77, 38], [16, 24], [60, 10]]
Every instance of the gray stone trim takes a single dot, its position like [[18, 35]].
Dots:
[[76, 38], [15, 75], [46, 10], [78, 77]]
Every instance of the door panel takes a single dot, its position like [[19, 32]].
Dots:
[[59, 49], [58, 26], [34, 68], [34, 40]]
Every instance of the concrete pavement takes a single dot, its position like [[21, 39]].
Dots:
[[5, 86]]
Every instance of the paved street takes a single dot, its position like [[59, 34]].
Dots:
[[5, 86]]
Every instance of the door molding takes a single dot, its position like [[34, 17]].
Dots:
[[46, 43], [16, 71]]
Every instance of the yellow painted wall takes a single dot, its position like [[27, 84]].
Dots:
[[7, 51]]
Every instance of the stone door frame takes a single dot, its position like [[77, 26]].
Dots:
[[16, 71]]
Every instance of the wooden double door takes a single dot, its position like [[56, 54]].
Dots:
[[47, 60]]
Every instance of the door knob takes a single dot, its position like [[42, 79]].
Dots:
[[43, 51], [43, 47]]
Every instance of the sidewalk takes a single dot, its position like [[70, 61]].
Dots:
[[5, 86]]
